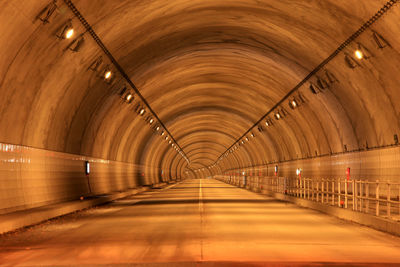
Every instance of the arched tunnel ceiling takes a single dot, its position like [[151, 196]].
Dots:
[[209, 69]]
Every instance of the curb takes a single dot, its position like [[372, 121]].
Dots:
[[19, 219]]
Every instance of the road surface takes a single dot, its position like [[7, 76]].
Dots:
[[198, 223]]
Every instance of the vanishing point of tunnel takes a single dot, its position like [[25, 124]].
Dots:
[[199, 133]]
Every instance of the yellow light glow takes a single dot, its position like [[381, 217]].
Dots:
[[278, 116], [128, 97], [108, 74], [69, 33], [141, 111], [158, 128], [359, 54], [151, 121], [294, 104]]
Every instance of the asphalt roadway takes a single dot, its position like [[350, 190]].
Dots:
[[198, 223]]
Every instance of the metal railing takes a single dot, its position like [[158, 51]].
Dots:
[[372, 197]]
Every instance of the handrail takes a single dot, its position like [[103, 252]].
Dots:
[[373, 197]]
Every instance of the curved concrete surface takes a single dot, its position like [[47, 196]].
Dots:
[[209, 70], [103, 97], [198, 221]]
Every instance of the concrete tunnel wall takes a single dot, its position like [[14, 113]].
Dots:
[[209, 69]]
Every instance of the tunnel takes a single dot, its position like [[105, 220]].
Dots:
[[199, 133]]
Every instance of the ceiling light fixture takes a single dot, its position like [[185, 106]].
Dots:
[[107, 74], [76, 44], [129, 97], [47, 12], [359, 54], [362, 52], [293, 104], [66, 31], [69, 33]]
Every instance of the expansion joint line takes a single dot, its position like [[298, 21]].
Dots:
[[97, 39], [348, 41]]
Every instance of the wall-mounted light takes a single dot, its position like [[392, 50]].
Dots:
[[293, 104], [350, 61], [278, 115], [95, 66], [379, 40], [47, 12], [142, 111], [76, 44], [158, 128], [66, 31], [123, 90], [151, 121], [322, 84], [314, 89], [362, 52], [330, 77], [162, 133], [69, 33], [359, 54], [107, 74], [129, 97]]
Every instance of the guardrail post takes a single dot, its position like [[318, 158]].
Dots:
[[377, 199], [339, 190], [353, 189], [333, 193], [388, 200], [322, 190], [367, 196], [345, 195], [361, 195], [317, 190], [311, 189]]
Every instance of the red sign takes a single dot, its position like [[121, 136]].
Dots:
[[348, 173]]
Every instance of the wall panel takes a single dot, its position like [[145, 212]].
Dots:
[[31, 177]]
